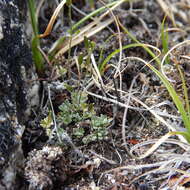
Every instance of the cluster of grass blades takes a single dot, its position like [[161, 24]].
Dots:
[[182, 104], [37, 56], [77, 33]]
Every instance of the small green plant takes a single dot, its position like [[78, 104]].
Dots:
[[98, 129], [47, 123], [77, 110], [73, 113], [84, 59]]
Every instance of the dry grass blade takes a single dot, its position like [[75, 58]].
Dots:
[[163, 139], [166, 169], [88, 30], [167, 10], [39, 7], [186, 42], [155, 146], [52, 20], [77, 39], [127, 102], [103, 158], [167, 30], [185, 57], [184, 146], [96, 71], [175, 30]]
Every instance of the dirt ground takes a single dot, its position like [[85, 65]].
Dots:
[[107, 163]]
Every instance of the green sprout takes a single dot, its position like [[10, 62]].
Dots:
[[37, 56]]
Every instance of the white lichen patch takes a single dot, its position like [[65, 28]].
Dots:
[[14, 23], [12, 4], [23, 72], [1, 30], [9, 177], [34, 95], [40, 169], [1, 33], [32, 90], [2, 118]]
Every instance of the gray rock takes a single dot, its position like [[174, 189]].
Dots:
[[18, 88]]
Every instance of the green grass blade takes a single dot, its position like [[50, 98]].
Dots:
[[185, 90], [105, 62], [175, 97], [32, 11], [94, 13], [56, 46], [186, 135], [147, 49], [37, 56], [164, 39]]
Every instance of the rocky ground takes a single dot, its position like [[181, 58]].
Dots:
[[81, 135]]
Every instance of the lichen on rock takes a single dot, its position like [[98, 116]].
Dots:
[[41, 171], [15, 88]]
